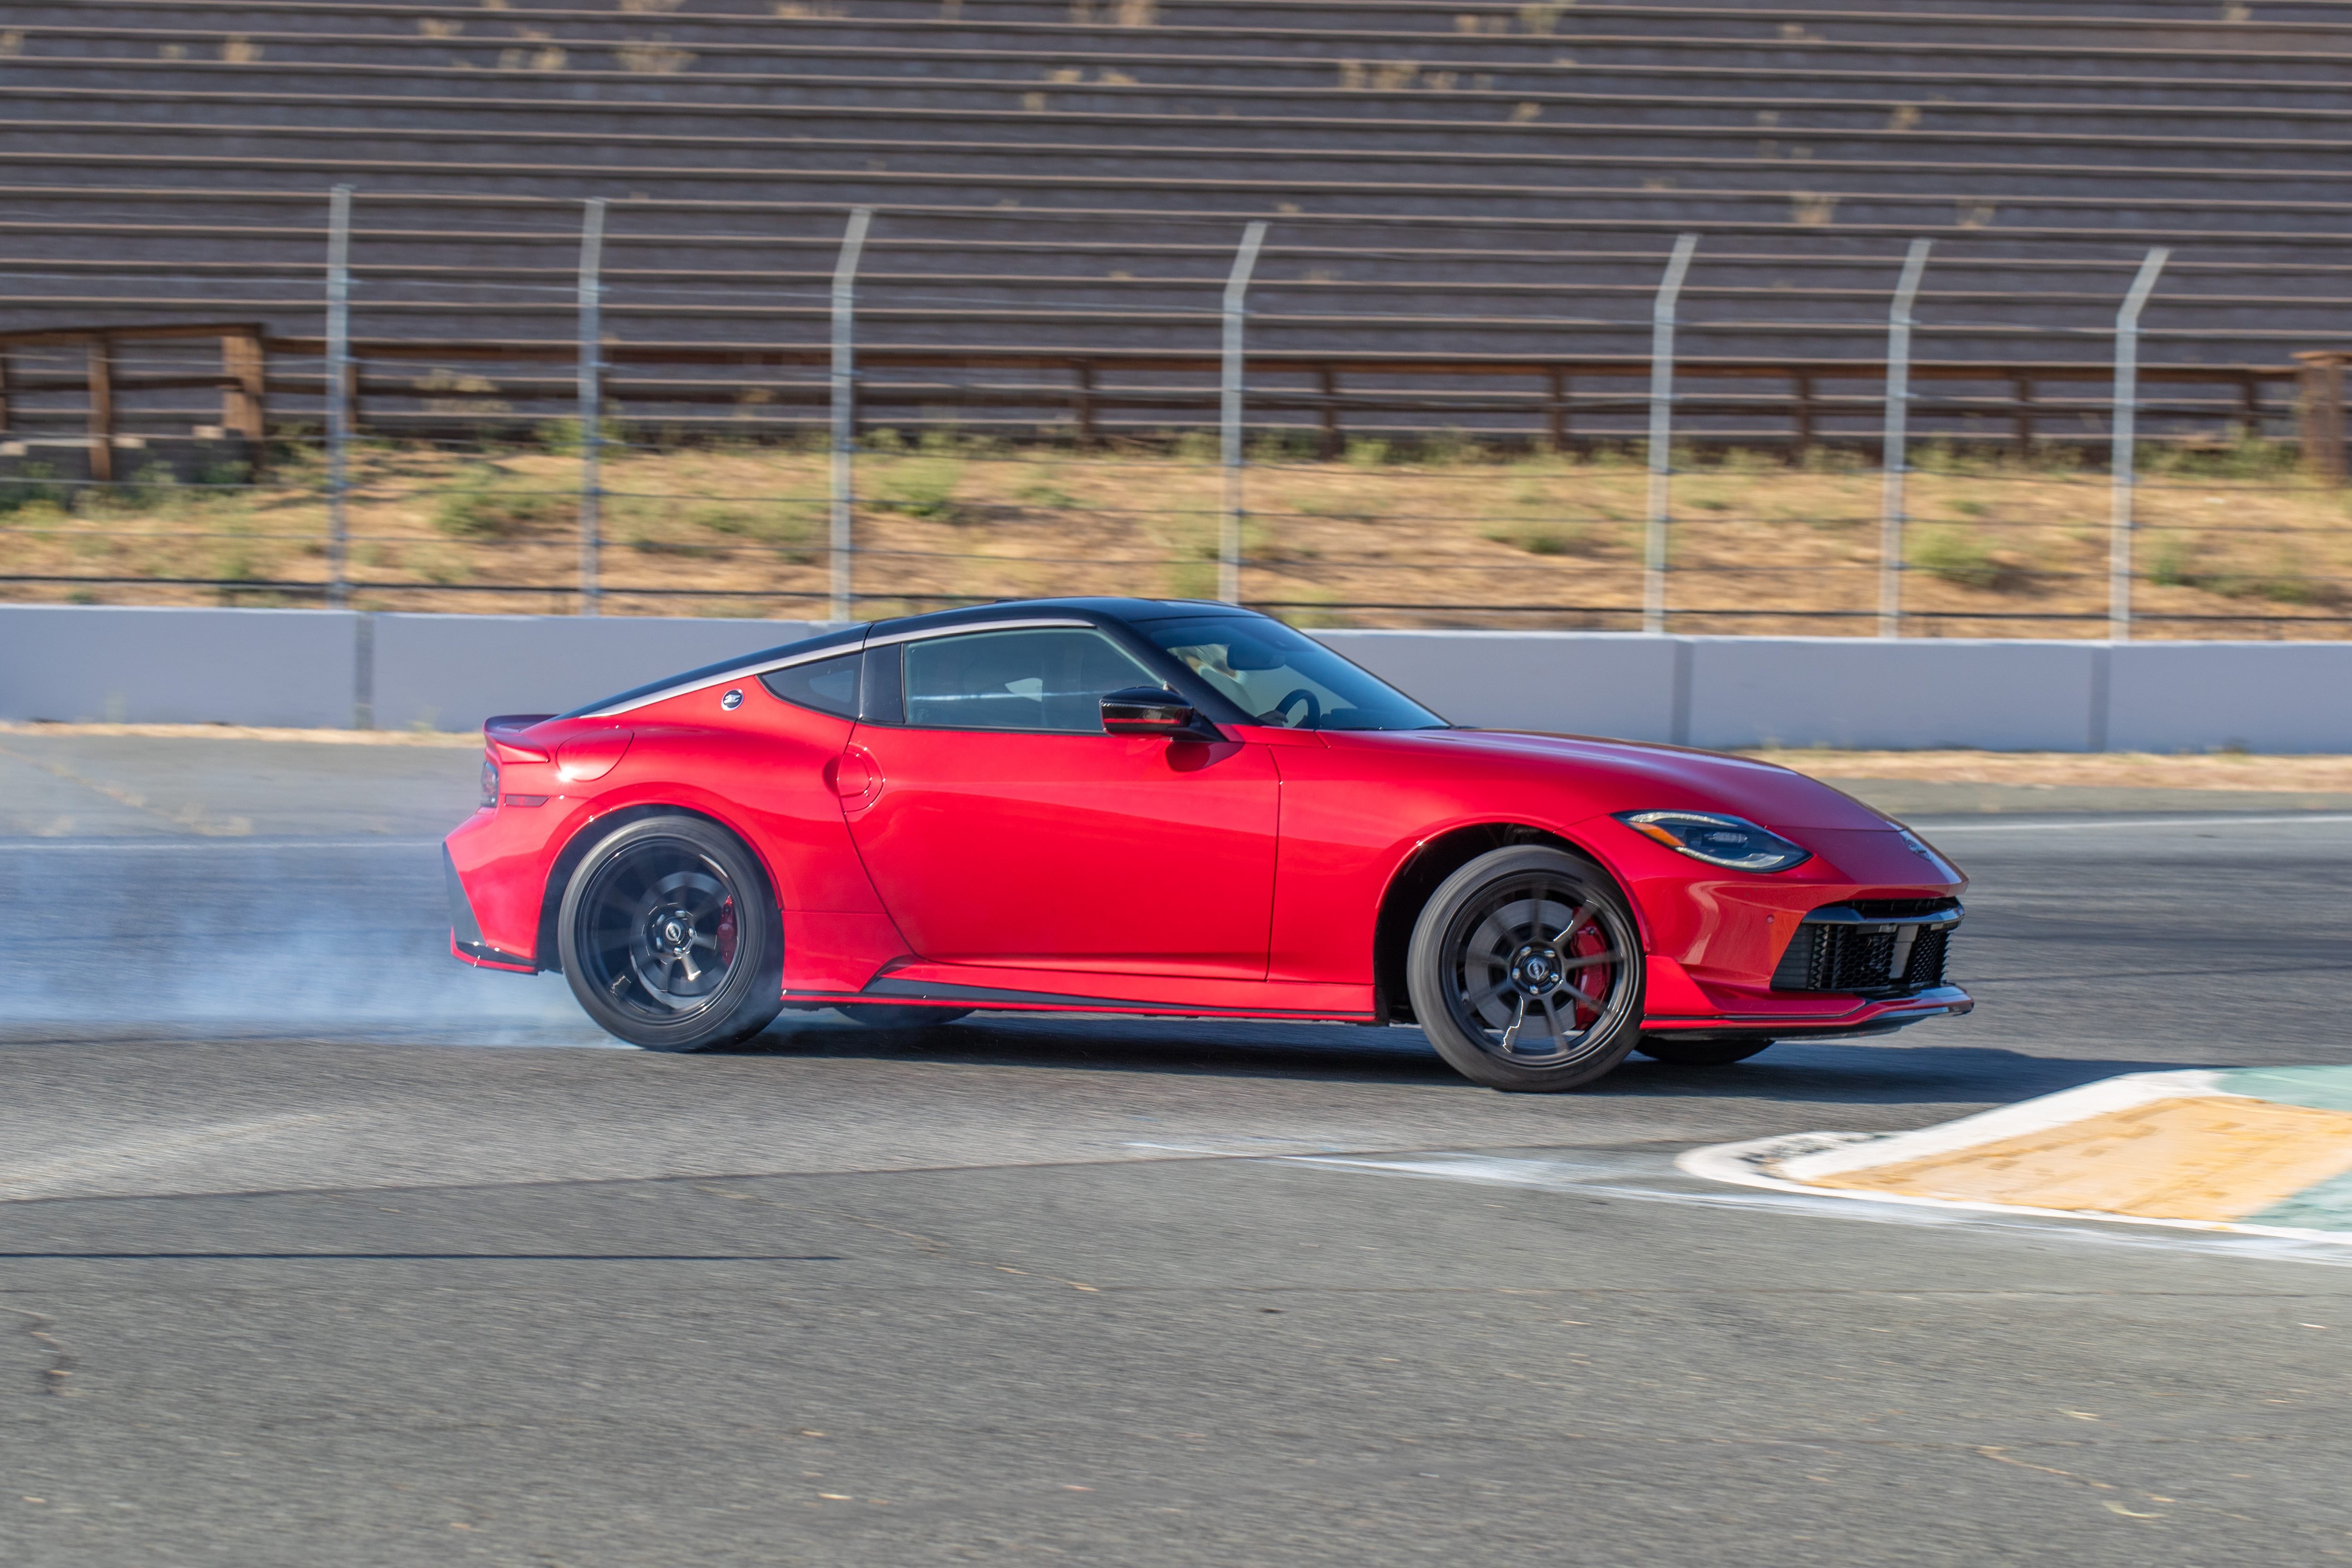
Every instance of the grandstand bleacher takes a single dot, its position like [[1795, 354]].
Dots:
[[1470, 203]]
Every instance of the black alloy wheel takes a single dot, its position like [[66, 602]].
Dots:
[[1526, 972], [1679, 1051], [670, 937]]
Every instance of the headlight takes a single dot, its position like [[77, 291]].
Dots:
[[1728, 841], [489, 784]]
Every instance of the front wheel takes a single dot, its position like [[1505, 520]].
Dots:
[[670, 937], [1525, 973]]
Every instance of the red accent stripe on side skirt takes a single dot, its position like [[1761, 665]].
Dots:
[[506, 961]]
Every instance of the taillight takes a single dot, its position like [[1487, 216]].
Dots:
[[489, 784]]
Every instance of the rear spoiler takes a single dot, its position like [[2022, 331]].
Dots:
[[498, 727], [513, 720]]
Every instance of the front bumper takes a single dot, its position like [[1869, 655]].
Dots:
[[1826, 949], [1815, 1018]]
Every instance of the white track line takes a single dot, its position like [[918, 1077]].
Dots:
[[2100, 1098], [1733, 1163], [2218, 820], [1742, 1165], [142, 846]]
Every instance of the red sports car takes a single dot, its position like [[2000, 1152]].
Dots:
[[1128, 805]]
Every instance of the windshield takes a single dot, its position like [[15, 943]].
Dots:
[[1284, 677]]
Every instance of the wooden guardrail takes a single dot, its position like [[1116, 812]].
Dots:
[[1558, 399]]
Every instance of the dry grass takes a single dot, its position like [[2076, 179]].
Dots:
[[2219, 771], [1458, 538], [2216, 771]]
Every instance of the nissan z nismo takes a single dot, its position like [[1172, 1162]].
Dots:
[[1181, 808]]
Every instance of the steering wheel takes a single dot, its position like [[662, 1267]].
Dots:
[[1278, 714]]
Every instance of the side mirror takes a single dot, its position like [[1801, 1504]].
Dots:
[[1149, 711]]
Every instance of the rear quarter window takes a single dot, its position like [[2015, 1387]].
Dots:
[[827, 685]]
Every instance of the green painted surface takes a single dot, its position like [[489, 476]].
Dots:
[[2328, 1207], [2322, 1088]]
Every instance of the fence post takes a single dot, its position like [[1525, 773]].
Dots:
[[1896, 462], [339, 412], [592, 402], [1229, 416], [1662, 397], [245, 405], [2127, 404], [2319, 415], [845, 408], [101, 408]]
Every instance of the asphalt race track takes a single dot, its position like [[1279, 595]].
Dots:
[[317, 1247]]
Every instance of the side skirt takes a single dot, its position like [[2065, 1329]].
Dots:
[[941, 994]]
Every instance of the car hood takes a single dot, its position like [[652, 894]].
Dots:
[[1628, 775]]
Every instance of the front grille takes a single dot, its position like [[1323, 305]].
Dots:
[[1895, 909], [1866, 958]]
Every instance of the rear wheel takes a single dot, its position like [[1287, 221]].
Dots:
[[670, 936], [1683, 1053], [1525, 973]]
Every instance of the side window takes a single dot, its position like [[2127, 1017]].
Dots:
[[828, 685], [1048, 679]]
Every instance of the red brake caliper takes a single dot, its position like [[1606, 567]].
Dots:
[[1595, 980]]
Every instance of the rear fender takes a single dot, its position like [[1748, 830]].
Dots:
[[593, 832]]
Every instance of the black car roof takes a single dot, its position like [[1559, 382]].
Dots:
[[1098, 608]]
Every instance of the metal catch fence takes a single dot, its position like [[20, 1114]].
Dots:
[[861, 472]]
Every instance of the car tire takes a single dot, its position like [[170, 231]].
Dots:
[[1516, 933], [900, 1016], [671, 937], [1678, 1052]]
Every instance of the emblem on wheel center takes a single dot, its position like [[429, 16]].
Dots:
[[1534, 971]]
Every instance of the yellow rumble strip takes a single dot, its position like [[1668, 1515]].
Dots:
[[2256, 1149], [2209, 1158]]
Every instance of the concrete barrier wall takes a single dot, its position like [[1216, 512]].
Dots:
[[335, 669], [451, 672], [1585, 683], [2268, 697], [176, 666], [1841, 691], [330, 668]]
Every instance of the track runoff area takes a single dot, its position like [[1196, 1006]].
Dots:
[[322, 1247]]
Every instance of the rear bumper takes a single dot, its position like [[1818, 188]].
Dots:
[[466, 931], [481, 955], [495, 865]]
